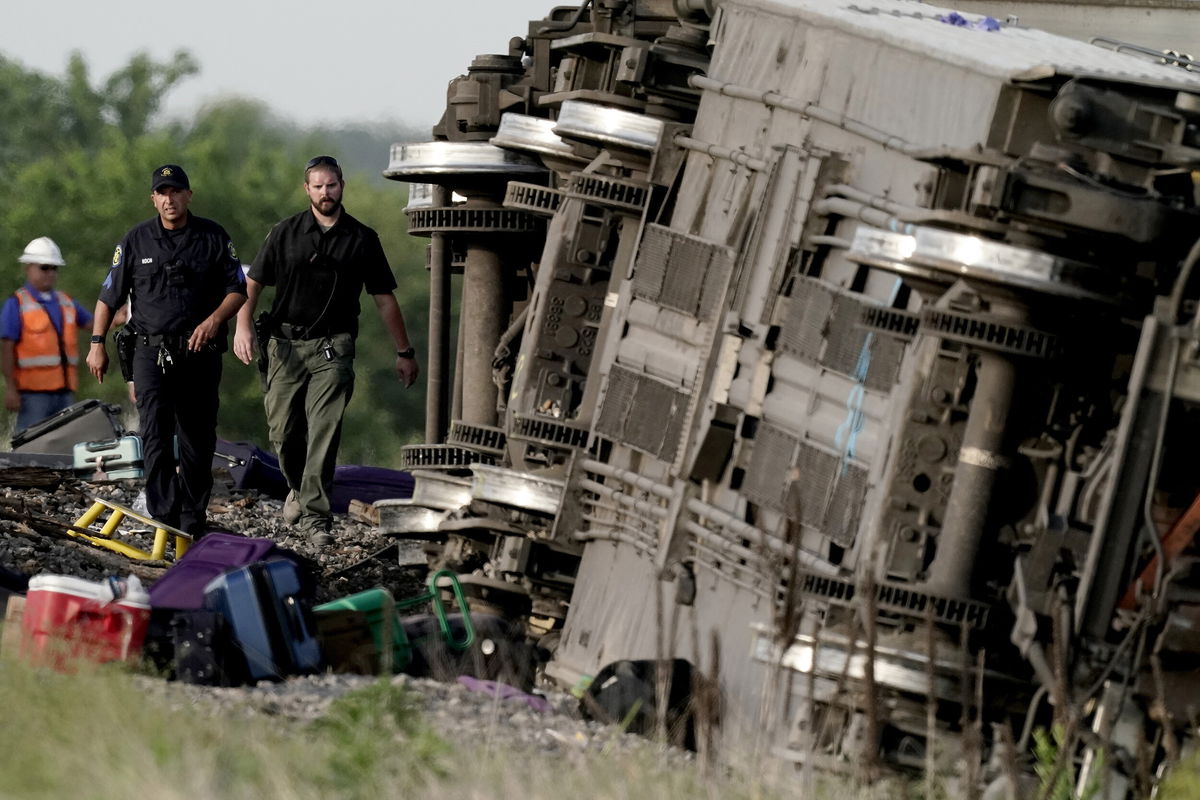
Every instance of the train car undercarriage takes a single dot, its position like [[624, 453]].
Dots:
[[848, 352]]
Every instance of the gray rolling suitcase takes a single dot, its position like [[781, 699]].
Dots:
[[86, 421], [110, 459]]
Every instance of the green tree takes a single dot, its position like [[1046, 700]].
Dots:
[[78, 158]]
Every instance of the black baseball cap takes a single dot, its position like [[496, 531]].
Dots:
[[169, 175]]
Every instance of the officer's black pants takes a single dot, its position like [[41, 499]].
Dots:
[[179, 401]]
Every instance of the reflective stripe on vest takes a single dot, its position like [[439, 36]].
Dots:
[[46, 362]]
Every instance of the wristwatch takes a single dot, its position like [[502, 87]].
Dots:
[[97, 339], [409, 353]]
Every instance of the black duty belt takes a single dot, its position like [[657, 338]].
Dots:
[[288, 331], [171, 340]]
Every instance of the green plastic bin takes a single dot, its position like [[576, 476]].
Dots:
[[377, 606], [380, 610]]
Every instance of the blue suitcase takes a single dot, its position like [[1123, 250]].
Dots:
[[268, 622]]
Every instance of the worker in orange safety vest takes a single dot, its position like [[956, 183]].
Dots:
[[38, 342]]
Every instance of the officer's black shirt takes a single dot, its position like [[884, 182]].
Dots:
[[319, 275], [176, 278]]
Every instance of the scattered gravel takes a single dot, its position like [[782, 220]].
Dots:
[[485, 719], [34, 505], [32, 541], [474, 716]]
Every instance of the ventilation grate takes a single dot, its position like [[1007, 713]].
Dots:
[[644, 413], [824, 327], [830, 493], [682, 272]]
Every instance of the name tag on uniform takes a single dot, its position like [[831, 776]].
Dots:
[[147, 260]]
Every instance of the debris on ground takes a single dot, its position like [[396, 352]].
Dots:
[[37, 506]]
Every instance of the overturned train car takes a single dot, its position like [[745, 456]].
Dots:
[[847, 350]]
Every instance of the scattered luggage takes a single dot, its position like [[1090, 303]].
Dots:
[[251, 467], [211, 651], [376, 609], [379, 610], [626, 693], [182, 586], [67, 619], [263, 605], [368, 484], [347, 643], [109, 459], [86, 421], [203, 650]]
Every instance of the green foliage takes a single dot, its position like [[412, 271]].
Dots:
[[364, 726], [1182, 782], [77, 156], [1055, 768], [45, 116]]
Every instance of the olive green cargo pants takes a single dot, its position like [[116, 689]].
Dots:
[[309, 384]]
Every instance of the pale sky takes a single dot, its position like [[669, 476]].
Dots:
[[333, 61]]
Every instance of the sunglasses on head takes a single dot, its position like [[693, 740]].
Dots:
[[319, 161]]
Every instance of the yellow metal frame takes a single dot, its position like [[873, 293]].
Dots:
[[103, 538]]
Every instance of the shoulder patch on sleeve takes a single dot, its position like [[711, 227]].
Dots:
[[232, 250], [118, 255]]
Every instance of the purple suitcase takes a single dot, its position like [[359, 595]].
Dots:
[[182, 586], [368, 484], [251, 467]]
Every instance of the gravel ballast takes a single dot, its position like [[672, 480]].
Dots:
[[32, 542]]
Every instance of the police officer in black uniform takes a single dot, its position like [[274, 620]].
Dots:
[[185, 281]]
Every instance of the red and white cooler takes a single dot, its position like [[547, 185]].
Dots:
[[68, 619]]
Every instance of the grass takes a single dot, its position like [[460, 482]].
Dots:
[[95, 735], [98, 734], [1182, 782]]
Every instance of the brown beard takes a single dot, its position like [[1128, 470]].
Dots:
[[337, 204]]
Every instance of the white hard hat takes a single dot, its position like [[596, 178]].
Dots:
[[42, 250]]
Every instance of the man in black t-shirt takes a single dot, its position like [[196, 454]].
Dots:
[[319, 262], [185, 281]]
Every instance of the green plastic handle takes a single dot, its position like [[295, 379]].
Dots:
[[439, 609]]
